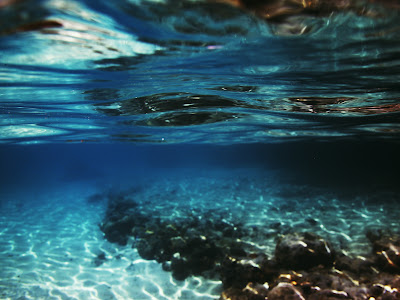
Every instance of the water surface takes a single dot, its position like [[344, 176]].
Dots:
[[194, 72]]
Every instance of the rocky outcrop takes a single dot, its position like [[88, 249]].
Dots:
[[304, 265], [192, 245], [302, 251]]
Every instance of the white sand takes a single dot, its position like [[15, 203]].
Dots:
[[47, 251], [49, 239]]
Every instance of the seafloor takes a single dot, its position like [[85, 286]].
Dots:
[[52, 246]]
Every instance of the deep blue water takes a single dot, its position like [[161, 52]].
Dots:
[[360, 168], [128, 92]]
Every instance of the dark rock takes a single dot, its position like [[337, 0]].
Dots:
[[302, 251], [238, 272], [116, 237], [374, 234], [386, 249], [318, 278], [121, 217], [330, 295], [358, 266], [166, 266], [293, 284], [377, 290], [146, 249], [154, 247], [384, 292], [358, 292], [233, 294], [270, 268], [211, 247], [341, 282], [119, 206], [256, 291], [180, 269], [203, 258], [324, 283], [100, 259], [285, 291], [178, 244], [235, 251], [253, 291], [386, 286], [118, 230]]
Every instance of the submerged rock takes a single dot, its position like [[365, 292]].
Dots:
[[285, 291], [238, 272], [302, 251], [100, 259], [252, 291], [120, 218], [189, 246], [180, 269], [386, 249], [304, 266], [360, 266]]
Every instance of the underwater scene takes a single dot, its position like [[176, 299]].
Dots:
[[199, 149]]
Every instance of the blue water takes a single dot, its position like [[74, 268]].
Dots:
[[96, 71], [99, 95]]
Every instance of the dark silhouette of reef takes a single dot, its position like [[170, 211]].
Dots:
[[304, 266], [192, 246]]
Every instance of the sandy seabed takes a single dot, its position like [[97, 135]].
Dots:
[[50, 239]]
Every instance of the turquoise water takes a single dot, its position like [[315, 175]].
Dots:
[[151, 72], [191, 111]]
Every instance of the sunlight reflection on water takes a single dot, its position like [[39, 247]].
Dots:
[[155, 72]]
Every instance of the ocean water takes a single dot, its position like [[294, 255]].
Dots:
[[202, 115]]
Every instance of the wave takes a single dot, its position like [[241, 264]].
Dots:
[[198, 71]]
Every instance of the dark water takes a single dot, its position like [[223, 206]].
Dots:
[[122, 93]]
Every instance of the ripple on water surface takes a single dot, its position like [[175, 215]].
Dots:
[[159, 72]]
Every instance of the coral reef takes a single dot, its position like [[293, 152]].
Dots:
[[304, 265], [192, 246]]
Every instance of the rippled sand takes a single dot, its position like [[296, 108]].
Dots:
[[51, 244]]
